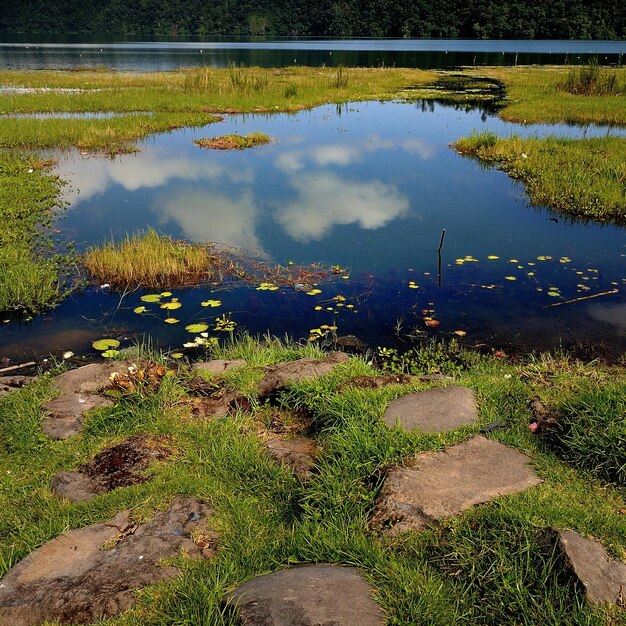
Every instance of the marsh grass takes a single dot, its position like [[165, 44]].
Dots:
[[496, 563], [153, 260], [592, 80], [234, 142], [583, 178]]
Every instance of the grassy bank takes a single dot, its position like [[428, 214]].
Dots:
[[29, 271], [583, 178], [494, 564], [536, 95]]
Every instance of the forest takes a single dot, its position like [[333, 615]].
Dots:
[[482, 19]]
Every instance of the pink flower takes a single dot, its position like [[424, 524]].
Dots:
[[533, 427]]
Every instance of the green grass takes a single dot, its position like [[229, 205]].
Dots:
[[593, 80], [583, 178], [234, 142], [29, 271], [495, 564], [153, 260]]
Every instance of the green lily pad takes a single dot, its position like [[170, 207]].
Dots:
[[171, 320], [171, 305], [109, 354], [177, 355], [196, 328], [140, 309], [105, 344], [151, 297]]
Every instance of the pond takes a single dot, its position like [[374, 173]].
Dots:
[[368, 187], [166, 53]]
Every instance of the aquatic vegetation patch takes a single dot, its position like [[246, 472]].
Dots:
[[234, 142], [584, 178], [154, 260], [31, 273]]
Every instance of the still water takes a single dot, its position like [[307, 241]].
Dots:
[[58, 52], [368, 187]]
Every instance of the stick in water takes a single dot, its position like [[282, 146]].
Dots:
[[595, 295]]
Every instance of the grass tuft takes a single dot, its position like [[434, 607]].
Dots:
[[592, 80], [152, 260], [234, 142]]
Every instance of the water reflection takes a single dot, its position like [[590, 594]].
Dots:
[[370, 188]]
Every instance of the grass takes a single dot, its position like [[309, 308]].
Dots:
[[29, 269], [593, 80], [153, 260], [496, 563], [583, 178], [234, 142]]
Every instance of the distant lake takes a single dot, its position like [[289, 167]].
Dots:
[[134, 53]]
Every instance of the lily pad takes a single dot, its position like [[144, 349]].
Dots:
[[105, 344], [171, 320], [196, 328], [151, 297], [140, 309], [212, 303], [171, 306], [109, 354]]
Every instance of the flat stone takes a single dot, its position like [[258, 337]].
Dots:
[[219, 366], [278, 376], [91, 573], [350, 342], [604, 577], [297, 454], [67, 412], [75, 486], [89, 379], [11, 383], [115, 466], [309, 595], [434, 410], [442, 484]]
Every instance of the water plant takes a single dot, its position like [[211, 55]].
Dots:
[[233, 142]]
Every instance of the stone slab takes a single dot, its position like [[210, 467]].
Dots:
[[278, 376], [298, 454], [309, 595], [115, 466], [91, 573], [434, 410], [66, 413], [604, 577], [442, 484], [89, 379], [218, 366]]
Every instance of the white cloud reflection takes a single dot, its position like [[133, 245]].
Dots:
[[205, 215], [325, 200], [149, 169]]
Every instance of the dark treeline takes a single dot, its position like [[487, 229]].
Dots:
[[489, 19]]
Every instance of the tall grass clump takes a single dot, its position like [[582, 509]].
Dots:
[[591, 431], [152, 260], [247, 81], [592, 80], [341, 77]]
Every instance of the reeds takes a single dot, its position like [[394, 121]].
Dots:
[[592, 80], [152, 260]]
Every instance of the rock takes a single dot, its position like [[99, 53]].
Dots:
[[351, 342], [604, 577], [89, 379], [297, 454], [434, 410], [219, 404], [91, 573], [309, 595], [10, 383], [278, 376], [66, 413], [219, 366], [116, 466], [376, 382], [441, 484], [75, 486]]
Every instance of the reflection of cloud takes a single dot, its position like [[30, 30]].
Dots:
[[325, 200], [207, 216], [614, 314], [148, 169], [347, 153]]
